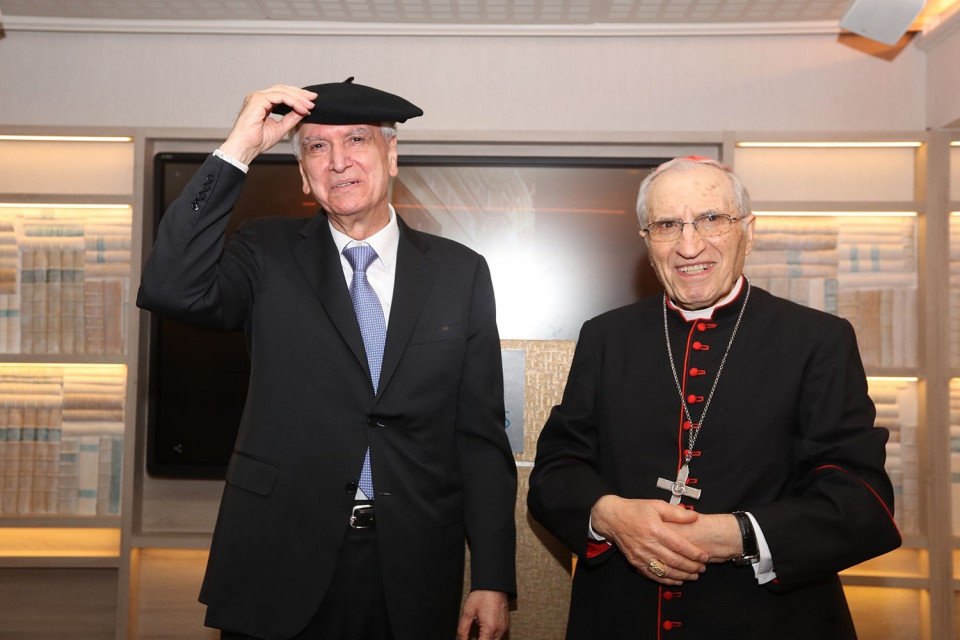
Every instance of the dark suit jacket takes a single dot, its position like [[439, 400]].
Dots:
[[789, 436], [441, 461]]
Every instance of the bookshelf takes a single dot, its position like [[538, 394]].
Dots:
[[953, 195], [868, 222], [65, 274]]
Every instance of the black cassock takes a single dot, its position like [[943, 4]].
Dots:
[[789, 436]]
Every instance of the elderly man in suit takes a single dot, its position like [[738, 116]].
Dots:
[[372, 443], [713, 461]]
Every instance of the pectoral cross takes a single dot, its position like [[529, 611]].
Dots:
[[679, 488]]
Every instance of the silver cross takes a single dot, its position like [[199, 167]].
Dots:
[[679, 489]]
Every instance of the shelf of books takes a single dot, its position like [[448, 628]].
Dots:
[[61, 449], [955, 453], [64, 279], [954, 327], [863, 268], [860, 267], [954, 269], [954, 345], [64, 309]]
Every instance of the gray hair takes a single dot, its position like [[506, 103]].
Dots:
[[387, 129], [740, 196]]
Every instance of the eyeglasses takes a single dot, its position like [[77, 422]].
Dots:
[[707, 225]]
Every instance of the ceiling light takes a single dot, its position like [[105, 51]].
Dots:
[[18, 138], [882, 20], [889, 144]]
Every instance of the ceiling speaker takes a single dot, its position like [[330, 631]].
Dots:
[[881, 20]]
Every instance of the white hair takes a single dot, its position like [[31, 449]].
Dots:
[[740, 195]]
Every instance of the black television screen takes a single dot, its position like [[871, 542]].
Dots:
[[559, 234]]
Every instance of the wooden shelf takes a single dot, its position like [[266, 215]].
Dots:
[[62, 522], [30, 199], [170, 540], [60, 562], [894, 581]]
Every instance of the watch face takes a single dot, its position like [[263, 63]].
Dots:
[[744, 560]]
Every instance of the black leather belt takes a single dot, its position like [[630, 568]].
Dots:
[[362, 517]]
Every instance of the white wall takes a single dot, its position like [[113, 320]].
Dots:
[[662, 84], [943, 73]]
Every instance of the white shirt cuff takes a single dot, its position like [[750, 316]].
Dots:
[[227, 158], [763, 569], [593, 535]]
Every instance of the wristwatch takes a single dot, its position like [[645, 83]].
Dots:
[[751, 552]]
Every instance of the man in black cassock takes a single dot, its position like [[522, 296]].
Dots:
[[713, 462]]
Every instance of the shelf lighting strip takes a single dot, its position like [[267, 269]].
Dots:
[[25, 138], [97, 366], [893, 378], [890, 144], [893, 214], [59, 205]]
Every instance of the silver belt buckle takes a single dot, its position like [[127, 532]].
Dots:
[[359, 517]]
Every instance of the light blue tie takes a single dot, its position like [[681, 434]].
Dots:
[[373, 328]]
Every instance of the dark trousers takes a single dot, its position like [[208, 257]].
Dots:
[[354, 607]]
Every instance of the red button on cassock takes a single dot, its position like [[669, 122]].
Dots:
[[672, 624], [699, 346]]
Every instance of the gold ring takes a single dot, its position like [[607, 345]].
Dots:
[[656, 568]]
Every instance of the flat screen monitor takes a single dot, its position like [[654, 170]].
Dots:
[[560, 236]]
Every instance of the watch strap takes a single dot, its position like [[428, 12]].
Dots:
[[751, 550]]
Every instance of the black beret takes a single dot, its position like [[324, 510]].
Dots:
[[350, 103]]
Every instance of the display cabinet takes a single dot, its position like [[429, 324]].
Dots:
[[66, 217], [857, 227]]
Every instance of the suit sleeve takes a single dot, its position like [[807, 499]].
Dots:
[[487, 467], [841, 510], [565, 483], [189, 276]]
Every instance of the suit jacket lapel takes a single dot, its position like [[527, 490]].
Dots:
[[318, 258], [414, 278]]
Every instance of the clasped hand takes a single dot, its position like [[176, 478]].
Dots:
[[677, 542]]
